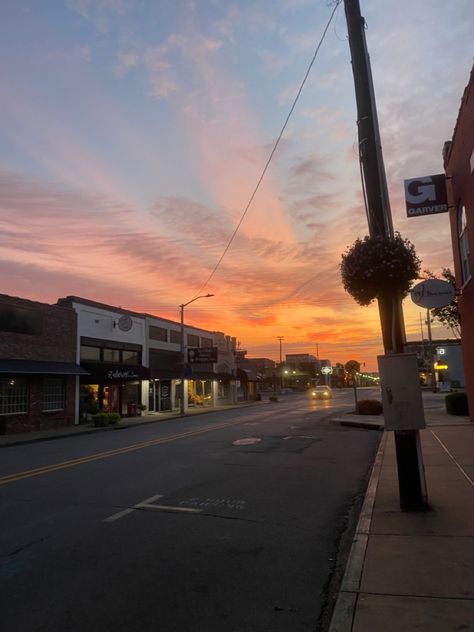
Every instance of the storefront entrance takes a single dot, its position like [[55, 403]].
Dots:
[[159, 395]]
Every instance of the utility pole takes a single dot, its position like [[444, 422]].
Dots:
[[411, 479], [280, 338]]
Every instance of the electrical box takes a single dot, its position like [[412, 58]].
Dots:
[[401, 392]]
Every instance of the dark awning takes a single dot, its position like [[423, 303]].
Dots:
[[40, 367]]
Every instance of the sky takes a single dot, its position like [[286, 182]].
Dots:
[[133, 133]]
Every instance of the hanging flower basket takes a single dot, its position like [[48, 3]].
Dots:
[[379, 266]]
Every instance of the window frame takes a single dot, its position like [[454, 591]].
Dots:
[[52, 405], [463, 243], [4, 399]]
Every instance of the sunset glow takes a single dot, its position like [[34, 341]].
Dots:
[[134, 133]]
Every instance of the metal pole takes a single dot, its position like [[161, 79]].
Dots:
[[183, 348], [430, 351], [183, 360], [280, 338]]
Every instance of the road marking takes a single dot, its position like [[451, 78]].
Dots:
[[148, 503], [17, 476], [119, 514]]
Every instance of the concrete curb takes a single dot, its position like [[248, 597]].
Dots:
[[343, 614]]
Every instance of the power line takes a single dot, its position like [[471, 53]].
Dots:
[[277, 142]]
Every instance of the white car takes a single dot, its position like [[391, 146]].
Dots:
[[321, 392]]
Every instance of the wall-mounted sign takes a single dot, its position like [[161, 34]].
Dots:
[[426, 195], [125, 323], [433, 293], [202, 355]]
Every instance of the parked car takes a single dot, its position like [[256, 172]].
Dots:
[[321, 392]]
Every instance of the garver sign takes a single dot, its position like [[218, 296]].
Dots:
[[426, 195]]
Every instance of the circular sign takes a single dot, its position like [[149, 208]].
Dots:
[[433, 293], [125, 323]]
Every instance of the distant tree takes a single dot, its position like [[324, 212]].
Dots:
[[449, 315]]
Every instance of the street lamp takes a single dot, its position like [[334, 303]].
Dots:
[[183, 359]]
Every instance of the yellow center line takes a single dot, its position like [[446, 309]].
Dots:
[[10, 478]]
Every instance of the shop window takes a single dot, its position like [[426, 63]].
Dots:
[[206, 342], [111, 355], [463, 240], [90, 354], [193, 341], [53, 394], [175, 336], [158, 333], [13, 396], [130, 357]]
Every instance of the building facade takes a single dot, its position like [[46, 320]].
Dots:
[[458, 154], [134, 361], [39, 376]]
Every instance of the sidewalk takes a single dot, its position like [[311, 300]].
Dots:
[[125, 422], [415, 571]]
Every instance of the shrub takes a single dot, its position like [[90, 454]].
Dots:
[[105, 419], [369, 407], [456, 404], [258, 397], [273, 398]]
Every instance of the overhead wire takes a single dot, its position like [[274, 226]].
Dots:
[[275, 146]]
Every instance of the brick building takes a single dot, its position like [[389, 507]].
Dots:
[[39, 381], [458, 155]]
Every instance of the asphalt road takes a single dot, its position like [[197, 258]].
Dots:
[[226, 522]]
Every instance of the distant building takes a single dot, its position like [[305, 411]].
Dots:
[[458, 154], [444, 356]]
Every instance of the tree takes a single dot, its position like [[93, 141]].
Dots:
[[449, 315]]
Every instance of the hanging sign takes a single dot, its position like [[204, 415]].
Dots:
[[426, 195], [433, 293]]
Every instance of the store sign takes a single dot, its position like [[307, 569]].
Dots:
[[433, 293], [122, 374], [426, 195], [202, 355]]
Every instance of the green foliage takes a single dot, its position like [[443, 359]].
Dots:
[[369, 407], [449, 314], [87, 402], [102, 420], [258, 397], [273, 398], [456, 404], [379, 266]]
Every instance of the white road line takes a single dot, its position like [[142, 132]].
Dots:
[[148, 504], [169, 508], [149, 500], [119, 515]]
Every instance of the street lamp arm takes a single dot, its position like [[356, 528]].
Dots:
[[195, 299]]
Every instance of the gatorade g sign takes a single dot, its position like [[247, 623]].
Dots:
[[426, 195]]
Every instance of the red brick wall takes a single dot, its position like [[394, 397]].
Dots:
[[55, 343], [461, 188], [35, 419]]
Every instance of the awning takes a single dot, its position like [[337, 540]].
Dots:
[[40, 367]]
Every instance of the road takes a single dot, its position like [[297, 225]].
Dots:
[[228, 521]]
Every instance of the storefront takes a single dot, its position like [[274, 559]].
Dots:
[[115, 388]]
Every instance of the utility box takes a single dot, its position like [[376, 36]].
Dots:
[[401, 392]]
